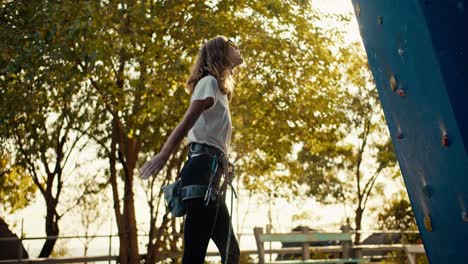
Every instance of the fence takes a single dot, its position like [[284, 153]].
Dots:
[[409, 249]]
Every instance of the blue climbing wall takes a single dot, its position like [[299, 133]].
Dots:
[[418, 53]]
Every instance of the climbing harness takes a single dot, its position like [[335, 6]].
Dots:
[[212, 191]]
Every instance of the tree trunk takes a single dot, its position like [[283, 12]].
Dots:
[[52, 228], [358, 220], [123, 248], [131, 153], [129, 218], [126, 222]]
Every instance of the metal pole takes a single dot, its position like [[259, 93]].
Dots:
[[346, 245], [237, 211], [110, 240], [269, 226], [305, 245], [20, 241]]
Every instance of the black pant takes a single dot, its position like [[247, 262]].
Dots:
[[205, 222]]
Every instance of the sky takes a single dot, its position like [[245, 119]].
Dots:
[[248, 212]]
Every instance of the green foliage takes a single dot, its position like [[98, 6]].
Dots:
[[40, 96], [246, 259], [359, 149], [287, 93], [42, 101], [131, 61], [397, 214], [83, 65], [17, 189]]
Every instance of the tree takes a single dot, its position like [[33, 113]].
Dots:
[[397, 214], [347, 171], [136, 55], [16, 191], [91, 208], [126, 63], [40, 103], [288, 91]]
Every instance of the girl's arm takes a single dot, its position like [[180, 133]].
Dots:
[[157, 162]]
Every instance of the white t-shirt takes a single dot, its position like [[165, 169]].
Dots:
[[214, 126]]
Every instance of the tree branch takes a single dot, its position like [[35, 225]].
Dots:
[[30, 164], [92, 136], [360, 154], [43, 150], [372, 181]]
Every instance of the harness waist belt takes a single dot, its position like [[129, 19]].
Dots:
[[193, 191], [197, 149]]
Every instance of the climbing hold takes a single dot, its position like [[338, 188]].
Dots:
[[465, 216], [380, 20], [428, 223], [445, 140], [427, 190], [400, 135], [401, 93], [358, 9], [401, 52], [393, 83]]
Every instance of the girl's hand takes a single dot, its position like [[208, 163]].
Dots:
[[153, 166]]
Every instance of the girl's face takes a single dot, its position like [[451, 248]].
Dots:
[[234, 56]]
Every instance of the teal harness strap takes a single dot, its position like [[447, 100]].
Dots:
[[209, 192], [193, 191], [201, 191], [213, 164]]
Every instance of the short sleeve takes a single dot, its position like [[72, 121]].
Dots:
[[206, 87]]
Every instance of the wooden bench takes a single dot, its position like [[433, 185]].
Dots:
[[305, 237]]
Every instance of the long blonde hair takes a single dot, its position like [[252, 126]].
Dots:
[[213, 60]]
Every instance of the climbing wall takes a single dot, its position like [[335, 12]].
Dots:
[[418, 52]]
